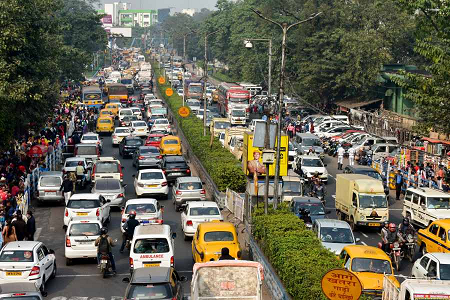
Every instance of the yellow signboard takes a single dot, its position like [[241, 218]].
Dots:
[[252, 157], [341, 284], [161, 80], [183, 111], [169, 92]]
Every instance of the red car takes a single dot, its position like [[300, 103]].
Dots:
[[345, 134], [154, 139]]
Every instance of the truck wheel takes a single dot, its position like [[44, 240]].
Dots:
[[352, 224]]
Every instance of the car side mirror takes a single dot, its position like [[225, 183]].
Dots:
[[358, 240], [107, 201], [122, 207], [125, 185], [126, 280], [325, 165], [220, 208]]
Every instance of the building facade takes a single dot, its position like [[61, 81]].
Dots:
[[137, 17]]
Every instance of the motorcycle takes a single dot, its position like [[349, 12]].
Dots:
[[411, 247], [105, 265], [319, 193], [396, 255], [81, 181]]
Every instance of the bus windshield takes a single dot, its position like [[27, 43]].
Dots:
[[239, 100], [117, 90]]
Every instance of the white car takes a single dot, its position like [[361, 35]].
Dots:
[[308, 165], [151, 182], [87, 206], [148, 211], [80, 238], [155, 103], [25, 261], [92, 138], [125, 112], [180, 92], [334, 234], [137, 112], [139, 128], [118, 134], [199, 113], [161, 124], [435, 264], [71, 164], [333, 131], [196, 212]]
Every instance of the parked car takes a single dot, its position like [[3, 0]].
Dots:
[[175, 166], [187, 189], [111, 189], [48, 187], [146, 157], [197, 212], [129, 144]]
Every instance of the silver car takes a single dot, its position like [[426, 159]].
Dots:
[[22, 290], [111, 189], [187, 189], [334, 234], [49, 185], [146, 157]]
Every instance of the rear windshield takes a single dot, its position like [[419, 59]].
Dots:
[[134, 142], [151, 175], [84, 229], [122, 130], [50, 181], [106, 167], [190, 186], [127, 112], [171, 142], [149, 150], [87, 150], [83, 204], [140, 124], [105, 121], [107, 185], [150, 291], [89, 137], [161, 121], [16, 256], [219, 236], [72, 163], [204, 211], [145, 208], [159, 245]]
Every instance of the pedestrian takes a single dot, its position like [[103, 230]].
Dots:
[[225, 254], [31, 226], [398, 184], [351, 156], [290, 130], [67, 188], [440, 176], [21, 226], [9, 232], [340, 153]]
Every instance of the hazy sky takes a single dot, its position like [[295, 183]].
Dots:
[[178, 4]]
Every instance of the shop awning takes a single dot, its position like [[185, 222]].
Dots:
[[351, 104], [435, 141]]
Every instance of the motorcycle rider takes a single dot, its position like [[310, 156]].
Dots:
[[384, 233], [392, 237], [104, 243], [80, 171], [305, 215], [129, 227], [404, 229], [340, 153]]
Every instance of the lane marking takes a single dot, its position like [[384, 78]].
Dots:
[[365, 235], [96, 275], [37, 233], [363, 243]]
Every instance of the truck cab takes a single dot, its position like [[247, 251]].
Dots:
[[237, 116], [412, 289]]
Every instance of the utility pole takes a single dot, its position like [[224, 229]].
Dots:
[[205, 78], [285, 28], [249, 45]]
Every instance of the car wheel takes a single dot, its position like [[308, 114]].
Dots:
[[68, 262], [186, 238], [423, 249], [42, 287], [54, 270]]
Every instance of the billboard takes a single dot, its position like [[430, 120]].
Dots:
[[107, 20], [120, 31]]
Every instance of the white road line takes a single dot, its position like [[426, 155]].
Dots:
[[363, 243], [95, 275], [365, 235], [37, 233], [184, 271]]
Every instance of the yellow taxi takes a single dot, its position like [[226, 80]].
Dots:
[[106, 113], [435, 238], [211, 237], [105, 124], [369, 264], [114, 107], [170, 145]]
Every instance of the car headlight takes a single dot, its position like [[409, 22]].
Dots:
[[385, 218], [362, 217]]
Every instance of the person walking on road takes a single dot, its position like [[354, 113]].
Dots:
[[21, 226], [351, 157], [340, 153], [398, 184], [31, 226], [9, 232], [67, 188], [225, 254]]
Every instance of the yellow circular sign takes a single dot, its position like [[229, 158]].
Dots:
[[341, 284], [169, 92], [183, 111], [161, 80]]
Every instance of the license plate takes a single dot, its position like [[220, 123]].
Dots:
[[177, 174], [51, 193], [151, 265], [145, 222], [104, 261], [82, 214], [374, 224], [152, 185], [13, 273], [85, 242]]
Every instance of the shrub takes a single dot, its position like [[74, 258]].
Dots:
[[294, 252], [221, 165]]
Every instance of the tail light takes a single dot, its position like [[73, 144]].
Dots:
[[247, 109], [93, 172], [189, 223], [203, 192], [120, 170], [141, 157], [171, 261], [178, 192], [120, 195], [159, 221], [35, 271], [131, 263], [159, 156], [98, 212], [68, 244], [164, 171], [164, 183], [66, 213], [188, 171]]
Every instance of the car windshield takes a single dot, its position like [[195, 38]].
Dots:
[[105, 121], [238, 113], [149, 150], [238, 100], [72, 163], [204, 211], [122, 130], [438, 203], [317, 163], [219, 236], [154, 138], [159, 245], [126, 81], [88, 204], [310, 142], [171, 142], [127, 112], [107, 185], [221, 125], [195, 89], [314, 208], [175, 164], [106, 167], [190, 186], [149, 291], [130, 118], [16, 256], [139, 124], [193, 103], [292, 186], [134, 142], [374, 174], [89, 150], [89, 138], [88, 229], [444, 271], [372, 201], [50, 181], [371, 265], [161, 121], [336, 235], [151, 175], [144, 208]]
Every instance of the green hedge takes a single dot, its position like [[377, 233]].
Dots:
[[222, 166], [295, 252]]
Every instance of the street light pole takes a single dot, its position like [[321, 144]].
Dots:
[[205, 78], [285, 28], [269, 82]]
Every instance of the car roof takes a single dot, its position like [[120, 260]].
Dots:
[[21, 245], [188, 179], [305, 199], [429, 192], [361, 169], [83, 196], [18, 287], [163, 230], [174, 158], [332, 223], [171, 137], [51, 174], [202, 204], [443, 258], [216, 226], [365, 252], [309, 156], [141, 201], [151, 275], [442, 222], [75, 158]]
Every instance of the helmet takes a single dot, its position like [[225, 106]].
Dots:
[[392, 227], [80, 163], [385, 223], [104, 230], [307, 211], [406, 221], [132, 214]]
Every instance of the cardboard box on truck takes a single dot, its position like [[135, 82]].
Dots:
[[361, 200], [417, 289]]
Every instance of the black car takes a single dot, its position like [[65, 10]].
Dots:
[[163, 282], [129, 145], [175, 166]]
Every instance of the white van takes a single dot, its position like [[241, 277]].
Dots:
[[125, 112], [152, 246]]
